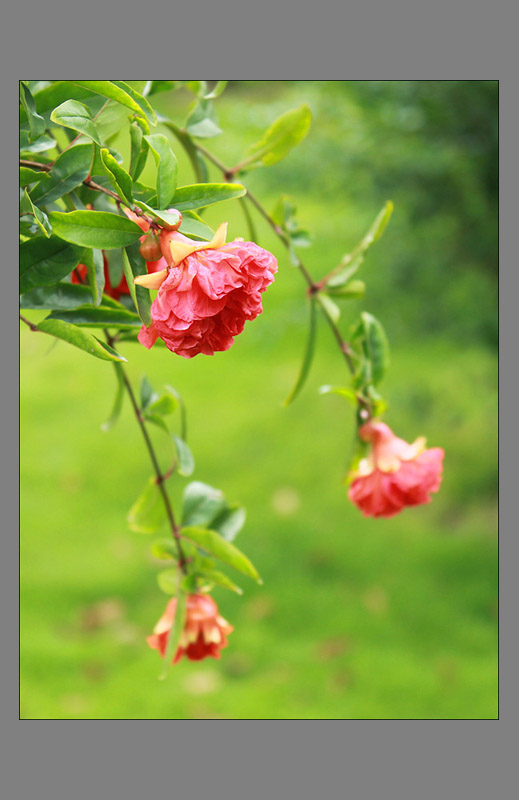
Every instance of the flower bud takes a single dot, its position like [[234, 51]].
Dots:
[[176, 225], [150, 248]]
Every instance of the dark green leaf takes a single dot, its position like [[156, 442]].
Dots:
[[139, 151], [203, 122], [230, 522], [195, 227], [213, 543], [94, 262], [95, 229], [119, 178], [201, 504], [166, 162], [134, 264], [79, 338], [62, 297], [28, 176], [186, 462], [42, 220], [40, 145], [377, 346], [70, 170], [75, 115], [98, 317], [45, 261], [285, 133], [308, 355], [118, 401], [147, 513], [200, 195], [36, 122]]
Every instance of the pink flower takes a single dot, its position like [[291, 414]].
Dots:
[[208, 292], [205, 631], [395, 474]]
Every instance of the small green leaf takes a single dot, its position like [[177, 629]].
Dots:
[[164, 550], [36, 121], [200, 195], [167, 404], [28, 176], [79, 338], [166, 217], [44, 261], [343, 391], [308, 355], [133, 265], [147, 394], [203, 122], [195, 227], [147, 513], [220, 579], [352, 290], [42, 220], [213, 543], [76, 116], [70, 169], [94, 262], [139, 151], [230, 522], [186, 462], [118, 91], [118, 401], [284, 134], [98, 317], [119, 178], [331, 309], [217, 90], [168, 581], [99, 229], [167, 167], [201, 503], [377, 346]]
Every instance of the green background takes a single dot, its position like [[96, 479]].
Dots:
[[357, 618]]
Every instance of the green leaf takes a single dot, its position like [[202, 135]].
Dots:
[[163, 406], [42, 220], [195, 227], [176, 630], [139, 150], [186, 462], [40, 145], [195, 157], [331, 309], [98, 317], [44, 261], [377, 346], [284, 134], [70, 169], [141, 101], [36, 122], [28, 176], [120, 92], [133, 265], [217, 90], [164, 550], [119, 178], [99, 229], [161, 86], [213, 543], [203, 122], [308, 354], [230, 522], [79, 338], [220, 579], [118, 401], [166, 162], [343, 391], [148, 512], [352, 261], [352, 290], [166, 217], [58, 296], [168, 581], [201, 504], [94, 262], [147, 394], [75, 115], [200, 195]]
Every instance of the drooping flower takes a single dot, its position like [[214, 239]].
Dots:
[[206, 292], [205, 631], [395, 474]]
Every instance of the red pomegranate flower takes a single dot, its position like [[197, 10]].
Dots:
[[206, 293], [205, 631], [395, 474]]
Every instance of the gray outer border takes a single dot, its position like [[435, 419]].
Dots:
[[333, 758]]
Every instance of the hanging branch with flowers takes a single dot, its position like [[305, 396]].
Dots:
[[95, 242]]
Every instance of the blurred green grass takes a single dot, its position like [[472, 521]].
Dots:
[[357, 618]]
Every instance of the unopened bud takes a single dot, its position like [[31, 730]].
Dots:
[[150, 248], [176, 225]]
